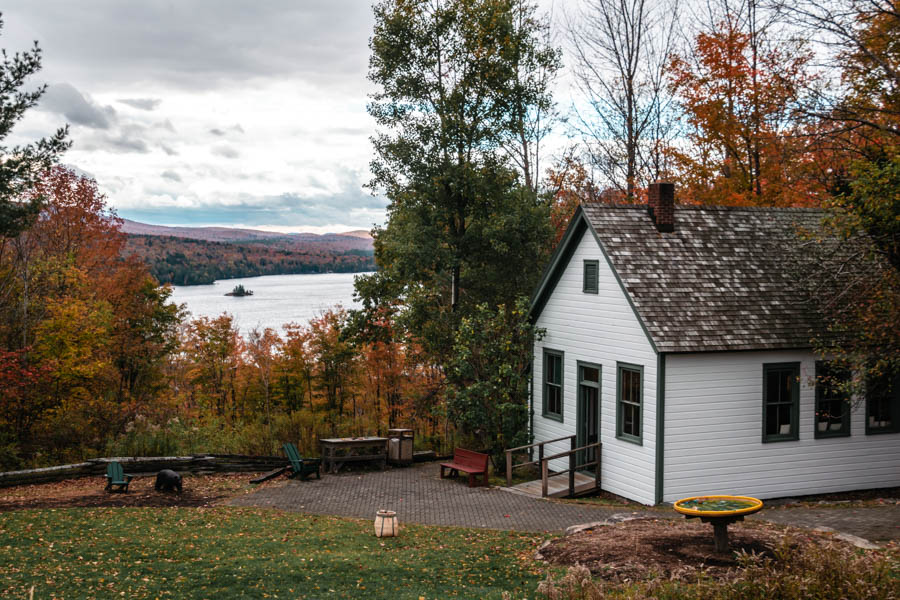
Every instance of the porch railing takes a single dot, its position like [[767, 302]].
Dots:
[[539, 445], [544, 462], [573, 467]]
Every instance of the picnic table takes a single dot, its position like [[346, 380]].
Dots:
[[338, 451]]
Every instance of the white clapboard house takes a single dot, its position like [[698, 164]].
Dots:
[[677, 336]]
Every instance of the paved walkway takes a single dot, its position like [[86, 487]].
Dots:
[[873, 523], [420, 496]]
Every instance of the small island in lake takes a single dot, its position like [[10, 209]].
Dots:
[[240, 290]]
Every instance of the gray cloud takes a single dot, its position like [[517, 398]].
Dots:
[[121, 143], [122, 137], [350, 208], [208, 67], [202, 44], [64, 99], [142, 103], [105, 130], [82, 172], [218, 132], [225, 151], [350, 205]]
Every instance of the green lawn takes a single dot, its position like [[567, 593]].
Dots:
[[251, 553]]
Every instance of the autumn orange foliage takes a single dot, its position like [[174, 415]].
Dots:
[[746, 142]]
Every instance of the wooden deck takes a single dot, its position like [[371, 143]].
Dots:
[[557, 486]]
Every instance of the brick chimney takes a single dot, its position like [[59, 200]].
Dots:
[[661, 198]]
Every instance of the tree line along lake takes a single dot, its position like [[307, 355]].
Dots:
[[276, 299]]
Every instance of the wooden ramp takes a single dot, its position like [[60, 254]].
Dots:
[[557, 486]]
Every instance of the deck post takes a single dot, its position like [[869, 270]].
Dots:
[[597, 466], [508, 468], [544, 474], [572, 463]]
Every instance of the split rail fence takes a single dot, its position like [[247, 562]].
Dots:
[[196, 463]]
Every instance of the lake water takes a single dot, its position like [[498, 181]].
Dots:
[[276, 299]]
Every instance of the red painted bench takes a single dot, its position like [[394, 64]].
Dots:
[[473, 463]]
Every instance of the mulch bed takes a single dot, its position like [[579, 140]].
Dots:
[[674, 549], [198, 490]]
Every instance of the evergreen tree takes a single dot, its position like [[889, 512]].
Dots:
[[21, 166], [458, 80]]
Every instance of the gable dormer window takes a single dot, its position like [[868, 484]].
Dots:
[[591, 277]]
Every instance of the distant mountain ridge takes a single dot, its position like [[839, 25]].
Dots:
[[229, 234], [198, 255]]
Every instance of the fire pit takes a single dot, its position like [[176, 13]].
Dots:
[[720, 511]]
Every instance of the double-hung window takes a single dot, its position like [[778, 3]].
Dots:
[[781, 402], [553, 385], [832, 402], [883, 403], [629, 402]]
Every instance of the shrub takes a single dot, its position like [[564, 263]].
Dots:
[[798, 571], [10, 458]]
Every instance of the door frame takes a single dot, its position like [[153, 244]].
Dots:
[[580, 437]]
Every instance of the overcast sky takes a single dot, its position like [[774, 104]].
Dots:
[[209, 112]]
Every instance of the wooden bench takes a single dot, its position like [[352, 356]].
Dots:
[[473, 463]]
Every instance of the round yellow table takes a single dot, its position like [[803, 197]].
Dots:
[[720, 511]]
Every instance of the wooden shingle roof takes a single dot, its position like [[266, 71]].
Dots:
[[724, 280]]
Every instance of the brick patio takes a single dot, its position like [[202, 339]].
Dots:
[[873, 523], [420, 496]]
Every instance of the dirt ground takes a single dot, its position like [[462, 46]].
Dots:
[[197, 490], [644, 548]]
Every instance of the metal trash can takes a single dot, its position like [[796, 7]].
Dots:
[[400, 446]]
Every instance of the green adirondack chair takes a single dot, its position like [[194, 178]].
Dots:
[[300, 466], [116, 477]]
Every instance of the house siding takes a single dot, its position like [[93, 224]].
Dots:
[[713, 434], [599, 328]]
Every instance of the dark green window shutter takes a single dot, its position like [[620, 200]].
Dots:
[[591, 276]]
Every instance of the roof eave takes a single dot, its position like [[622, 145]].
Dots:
[[558, 261]]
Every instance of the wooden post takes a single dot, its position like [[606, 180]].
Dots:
[[508, 468], [720, 532], [544, 473], [572, 463], [597, 466]]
